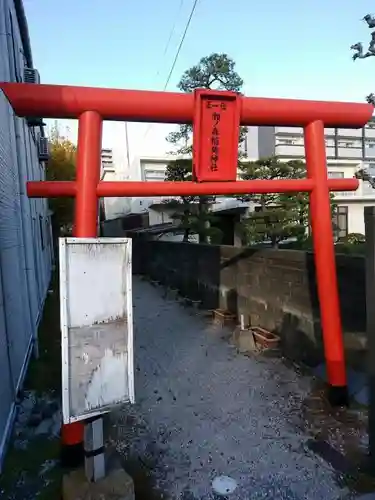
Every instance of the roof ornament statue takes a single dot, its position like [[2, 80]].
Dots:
[[364, 175], [358, 47]]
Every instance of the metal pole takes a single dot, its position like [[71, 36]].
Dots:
[[127, 149], [325, 264], [86, 226], [94, 449], [88, 174], [369, 213]]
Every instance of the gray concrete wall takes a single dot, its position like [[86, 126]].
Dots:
[[266, 142], [275, 289]]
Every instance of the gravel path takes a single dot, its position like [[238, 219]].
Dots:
[[203, 410]]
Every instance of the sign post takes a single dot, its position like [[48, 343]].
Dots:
[[97, 336]]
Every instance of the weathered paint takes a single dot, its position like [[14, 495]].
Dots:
[[96, 325], [101, 387]]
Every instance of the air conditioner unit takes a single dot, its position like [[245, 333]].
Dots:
[[31, 75], [35, 122], [43, 151]]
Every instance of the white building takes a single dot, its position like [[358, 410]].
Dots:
[[25, 230], [346, 149], [107, 165]]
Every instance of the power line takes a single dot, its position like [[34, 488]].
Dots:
[[177, 54], [171, 33], [181, 44], [173, 28]]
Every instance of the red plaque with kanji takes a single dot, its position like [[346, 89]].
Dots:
[[215, 135]]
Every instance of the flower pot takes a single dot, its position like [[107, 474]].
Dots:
[[264, 338], [224, 318]]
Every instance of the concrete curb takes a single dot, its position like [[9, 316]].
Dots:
[[117, 485]]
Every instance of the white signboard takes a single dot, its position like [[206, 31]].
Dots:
[[96, 325]]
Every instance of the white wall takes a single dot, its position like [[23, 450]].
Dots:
[[25, 236], [159, 216], [356, 222], [141, 169]]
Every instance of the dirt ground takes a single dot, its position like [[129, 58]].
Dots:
[[202, 410], [31, 470]]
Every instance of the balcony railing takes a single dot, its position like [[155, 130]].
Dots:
[[364, 191]]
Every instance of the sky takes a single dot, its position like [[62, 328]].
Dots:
[[291, 49]]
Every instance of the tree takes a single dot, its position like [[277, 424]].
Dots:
[[216, 71], [61, 167], [188, 209], [277, 217]]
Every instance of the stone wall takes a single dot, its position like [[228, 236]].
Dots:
[[275, 289]]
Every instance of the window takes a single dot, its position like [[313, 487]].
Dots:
[[288, 142], [330, 143], [340, 222], [349, 144], [335, 175], [154, 175]]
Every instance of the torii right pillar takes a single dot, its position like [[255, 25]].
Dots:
[[325, 263]]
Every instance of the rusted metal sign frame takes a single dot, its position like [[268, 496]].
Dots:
[[65, 322]]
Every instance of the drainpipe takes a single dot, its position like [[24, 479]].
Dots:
[[25, 39], [24, 31]]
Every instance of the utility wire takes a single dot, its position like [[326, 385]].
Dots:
[[177, 53], [181, 44], [171, 33], [173, 28]]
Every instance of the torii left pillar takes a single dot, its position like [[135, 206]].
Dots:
[[86, 439]]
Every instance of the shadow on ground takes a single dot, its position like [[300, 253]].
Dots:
[[204, 410], [31, 466]]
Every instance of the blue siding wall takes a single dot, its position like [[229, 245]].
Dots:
[[25, 242]]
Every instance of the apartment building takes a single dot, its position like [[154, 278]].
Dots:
[[346, 149], [107, 165], [25, 230]]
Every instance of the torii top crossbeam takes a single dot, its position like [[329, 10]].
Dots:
[[60, 101]]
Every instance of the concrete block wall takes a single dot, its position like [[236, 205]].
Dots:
[[275, 289]]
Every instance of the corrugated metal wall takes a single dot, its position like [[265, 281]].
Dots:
[[25, 242]]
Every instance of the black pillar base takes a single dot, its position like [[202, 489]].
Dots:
[[338, 395], [73, 456]]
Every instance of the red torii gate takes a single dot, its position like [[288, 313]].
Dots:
[[216, 117]]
